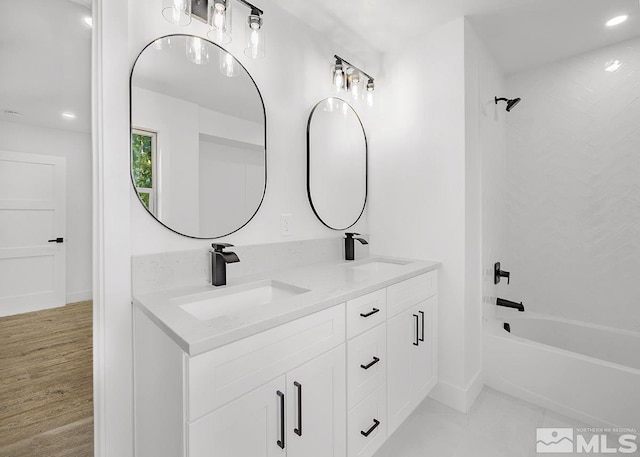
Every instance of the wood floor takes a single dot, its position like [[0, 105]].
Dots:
[[46, 386]]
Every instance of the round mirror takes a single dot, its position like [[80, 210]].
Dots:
[[336, 164], [198, 137]]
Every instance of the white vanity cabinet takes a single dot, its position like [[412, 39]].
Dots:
[[411, 346], [335, 383], [232, 401], [300, 414]]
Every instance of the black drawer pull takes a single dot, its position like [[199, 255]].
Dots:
[[373, 311], [422, 333], [415, 343], [298, 429], [376, 422], [56, 240], [280, 442], [366, 367]]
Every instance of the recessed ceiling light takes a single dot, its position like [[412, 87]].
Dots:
[[68, 115], [612, 66], [617, 20], [88, 21]]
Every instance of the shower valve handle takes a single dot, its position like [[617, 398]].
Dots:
[[499, 273]]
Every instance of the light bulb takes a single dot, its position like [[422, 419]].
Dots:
[[219, 20], [370, 99], [228, 65]]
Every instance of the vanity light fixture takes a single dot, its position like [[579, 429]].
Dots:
[[217, 15], [177, 11], [349, 77]]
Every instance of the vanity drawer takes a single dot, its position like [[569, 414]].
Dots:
[[404, 295], [362, 419], [221, 375], [364, 313], [366, 364]]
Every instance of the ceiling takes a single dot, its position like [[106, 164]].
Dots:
[[45, 50], [168, 71], [379, 25], [520, 33], [544, 31]]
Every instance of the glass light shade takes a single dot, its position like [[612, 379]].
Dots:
[[197, 50], [254, 33], [338, 76], [229, 66], [177, 11], [219, 20], [353, 85], [369, 96]]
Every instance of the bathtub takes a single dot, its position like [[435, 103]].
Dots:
[[588, 372]]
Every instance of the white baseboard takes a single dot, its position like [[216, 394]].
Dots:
[[75, 297], [458, 398]]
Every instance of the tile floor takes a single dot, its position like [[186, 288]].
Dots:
[[498, 425]]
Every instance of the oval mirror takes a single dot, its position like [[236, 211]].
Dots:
[[336, 164], [198, 137]]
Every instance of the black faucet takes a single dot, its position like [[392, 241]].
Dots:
[[510, 304], [498, 273], [219, 261], [349, 247]]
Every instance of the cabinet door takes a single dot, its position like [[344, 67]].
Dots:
[[402, 337], [250, 426], [423, 356], [316, 407]]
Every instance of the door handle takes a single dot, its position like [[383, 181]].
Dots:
[[371, 313], [298, 429], [416, 342], [422, 332], [57, 240], [366, 367], [376, 422], [280, 442]]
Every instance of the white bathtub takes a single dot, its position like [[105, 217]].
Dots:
[[587, 372]]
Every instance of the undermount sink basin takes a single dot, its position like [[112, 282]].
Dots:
[[376, 266], [239, 298]]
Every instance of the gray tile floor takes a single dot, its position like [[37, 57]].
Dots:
[[498, 425]]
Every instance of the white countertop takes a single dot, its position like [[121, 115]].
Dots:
[[329, 284]]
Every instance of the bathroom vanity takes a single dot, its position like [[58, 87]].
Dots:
[[326, 360]]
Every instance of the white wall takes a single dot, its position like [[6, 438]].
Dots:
[[486, 135], [292, 79], [76, 148], [573, 168], [418, 185]]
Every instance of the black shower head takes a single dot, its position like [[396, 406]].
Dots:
[[510, 103]]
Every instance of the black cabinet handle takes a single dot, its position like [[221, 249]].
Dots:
[[280, 442], [376, 422], [57, 240], [415, 343], [366, 367], [371, 313], [422, 332], [298, 430]]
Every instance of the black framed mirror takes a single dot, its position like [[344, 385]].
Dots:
[[198, 137], [337, 162]]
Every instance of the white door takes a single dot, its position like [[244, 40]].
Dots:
[[423, 373], [32, 219], [250, 426], [317, 407], [402, 342]]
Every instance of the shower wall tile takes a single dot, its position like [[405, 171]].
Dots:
[[573, 173]]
